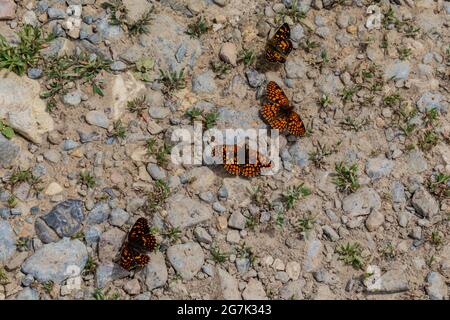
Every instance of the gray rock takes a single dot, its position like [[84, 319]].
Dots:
[[97, 118], [254, 78], [254, 291], [107, 31], [282, 276], [297, 33], [110, 243], [155, 272], [398, 70], [156, 172], [108, 272], [158, 112], [430, 100], [392, 281], [398, 193], [424, 203], [323, 32], [27, 294], [207, 196], [417, 162], [39, 170], [218, 207], [242, 265], [184, 212], [374, 220], [204, 83], [72, 98], [5, 213], [34, 73], [99, 213], [436, 287], [228, 286], [7, 242], [9, 151], [223, 192], [292, 290], [56, 47], [378, 167], [295, 68], [55, 261], [52, 156], [118, 66], [27, 280], [330, 233], [299, 155], [313, 257], [209, 270], [44, 232], [118, 217], [362, 202], [66, 217], [88, 136], [92, 234], [55, 13], [187, 259], [202, 235], [237, 221], [69, 144]]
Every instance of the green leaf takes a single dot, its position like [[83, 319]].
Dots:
[[8, 132], [97, 90]]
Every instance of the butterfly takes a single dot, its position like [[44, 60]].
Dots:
[[246, 169], [279, 46], [139, 241], [279, 113]]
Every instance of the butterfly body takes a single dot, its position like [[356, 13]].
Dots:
[[279, 46], [279, 114], [139, 241]]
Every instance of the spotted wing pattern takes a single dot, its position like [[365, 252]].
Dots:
[[279, 46], [139, 241], [232, 165]]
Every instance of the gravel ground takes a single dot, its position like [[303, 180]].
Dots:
[[359, 210]]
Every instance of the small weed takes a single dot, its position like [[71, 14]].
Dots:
[[306, 224], [48, 286], [3, 277], [251, 222], [119, 130], [6, 131], [346, 178], [388, 251], [260, 198], [352, 124], [161, 153], [99, 295], [23, 244], [90, 266], [392, 100], [220, 68], [172, 80], [322, 151], [431, 117], [218, 256], [118, 12], [173, 234], [428, 140], [197, 28], [350, 254], [210, 119], [280, 218], [309, 45], [294, 193], [158, 196], [194, 113], [325, 101], [436, 238], [404, 53], [348, 92], [292, 11], [87, 179], [411, 31], [246, 252], [20, 176], [140, 26], [12, 201], [138, 105], [143, 68], [389, 19], [151, 146], [439, 185], [78, 235], [247, 56]]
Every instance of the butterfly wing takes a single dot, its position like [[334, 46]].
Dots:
[[131, 258], [275, 94], [295, 124], [273, 115], [139, 235], [279, 46]]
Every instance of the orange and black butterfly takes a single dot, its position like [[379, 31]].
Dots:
[[140, 241], [246, 169], [279, 113], [279, 46]]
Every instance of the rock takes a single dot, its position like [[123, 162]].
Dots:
[[254, 291], [201, 179], [204, 83], [97, 118], [55, 13], [108, 272], [34, 73], [66, 217], [53, 189], [99, 213], [313, 257], [9, 151], [237, 221], [398, 193], [184, 212], [242, 265], [330, 233], [374, 220], [52, 156], [7, 242], [436, 287], [158, 112], [44, 232], [297, 33], [24, 110], [118, 217], [107, 31], [292, 290], [7, 10], [293, 270], [69, 144], [430, 100], [155, 272], [110, 243], [221, 3], [58, 47], [398, 70], [118, 66], [233, 236], [27, 293], [416, 162], [187, 259], [228, 286], [72, 98], [254, 78], [202, 235], [424, 203], [239, 191], [121, 89], [378, 167], [392, 281], [55, 261], [228, 53], [156, 172], [362, 202], [132, 287], [295, 68], [92, 234]]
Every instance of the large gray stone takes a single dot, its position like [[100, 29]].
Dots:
[[66, 217], [155, 272], [184, 212], [187, 259], [7, 242], [9, 151]]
